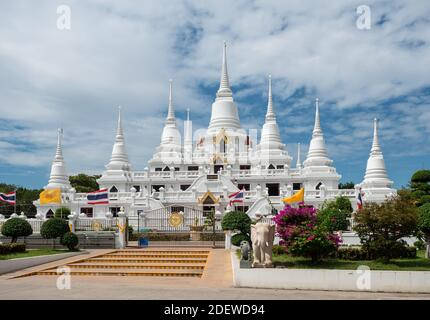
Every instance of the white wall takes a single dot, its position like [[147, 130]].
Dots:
[[332, 280]]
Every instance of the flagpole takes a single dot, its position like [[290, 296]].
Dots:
[[14, 205]]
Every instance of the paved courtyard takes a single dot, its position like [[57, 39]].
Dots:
[[215, 284]]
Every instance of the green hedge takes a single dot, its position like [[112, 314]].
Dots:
[[210, 236], [7, 248], [360, 254], [154, 236]]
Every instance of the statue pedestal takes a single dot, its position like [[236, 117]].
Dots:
[[245, 264], [196, 233]]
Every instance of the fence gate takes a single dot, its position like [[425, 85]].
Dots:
[[169, 219]]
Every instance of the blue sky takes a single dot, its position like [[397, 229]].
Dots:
[[123, 53]]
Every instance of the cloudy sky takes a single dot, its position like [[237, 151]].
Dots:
[[124, 52]]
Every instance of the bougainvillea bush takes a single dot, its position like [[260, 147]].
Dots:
[[300, 234]]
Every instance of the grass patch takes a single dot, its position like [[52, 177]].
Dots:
[[416, 264], [32, 253]]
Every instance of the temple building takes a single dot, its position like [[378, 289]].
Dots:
[[200, 170]]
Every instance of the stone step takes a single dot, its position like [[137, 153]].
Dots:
[[99, 265], [156, 255], [139, 251], [145, 260], [127, 272]]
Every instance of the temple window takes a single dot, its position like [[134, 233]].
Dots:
[[113, 189], [273, 189]]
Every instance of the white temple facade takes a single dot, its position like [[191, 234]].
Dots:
[[201, 169]]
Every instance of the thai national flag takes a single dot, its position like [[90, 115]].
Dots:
[[98, 197], [359, 200], [8, 197], [237, 197]]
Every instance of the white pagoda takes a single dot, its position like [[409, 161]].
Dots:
[[201, 170]]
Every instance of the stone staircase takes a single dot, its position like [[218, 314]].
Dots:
[[140, 262]]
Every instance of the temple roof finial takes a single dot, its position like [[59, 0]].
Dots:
[[270, 115], [224, 90], [317, 126], [171, 110]]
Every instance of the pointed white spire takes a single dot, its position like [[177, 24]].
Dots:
[[224, 90], [376, 148], [170, 148], [299, 161], [119, 157], [270, 115], [376, 174], [271, 149], [58, 177], [317, 154], [317, 125], [224, 114], [171, 110]]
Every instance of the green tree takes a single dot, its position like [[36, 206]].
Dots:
[[62, 213], [346, 185], [70, 240], [16, 227], [25, 198], [237, 221], [420, 187], [54, 228], [84, 183], [424, 225], [333, 214], [380, 227]]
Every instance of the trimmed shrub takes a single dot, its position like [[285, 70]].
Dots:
[[8, 248], [54, 228], [16, 227], [238, 238], [70, 240], [237, 220], [155, 236], [352, 254], [62, 213], [399, 251], [278, 250]]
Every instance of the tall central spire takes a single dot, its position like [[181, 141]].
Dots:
[[171, 110], [224, 113], [224, 90]]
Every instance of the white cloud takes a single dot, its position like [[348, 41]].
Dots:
[[123, 53]]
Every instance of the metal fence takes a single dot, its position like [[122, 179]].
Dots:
[[96, 224], [169, 219]]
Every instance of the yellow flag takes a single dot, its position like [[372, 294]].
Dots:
[[299, 196], [50, 196]]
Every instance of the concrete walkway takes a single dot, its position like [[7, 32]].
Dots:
[[215, 284], [12, 265]]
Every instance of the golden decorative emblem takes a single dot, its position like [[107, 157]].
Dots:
[[96, 226], [175, 219]]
